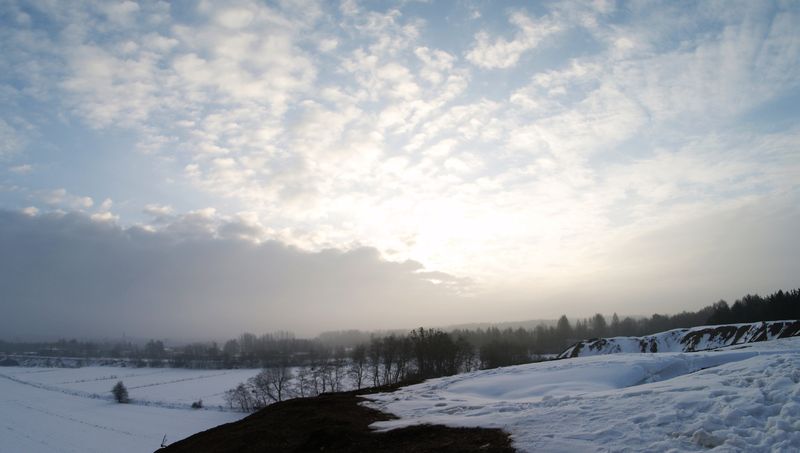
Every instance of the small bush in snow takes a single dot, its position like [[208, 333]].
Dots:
[[120, 393]]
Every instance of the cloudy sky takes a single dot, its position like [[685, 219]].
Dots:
[[230, 166]]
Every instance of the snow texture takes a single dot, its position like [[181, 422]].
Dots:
[[71, 409], [686, 340], [740, 398]]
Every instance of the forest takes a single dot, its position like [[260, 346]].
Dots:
[[390, 357]]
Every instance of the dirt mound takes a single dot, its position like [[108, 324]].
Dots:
[[335, 423]]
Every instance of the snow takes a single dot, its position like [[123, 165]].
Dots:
[[686, 340], [172, 387], [70, 409], [739, 398]]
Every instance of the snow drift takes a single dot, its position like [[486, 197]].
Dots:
[[686, 340], [739, 398]]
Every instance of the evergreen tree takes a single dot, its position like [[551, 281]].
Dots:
[[120, 393]]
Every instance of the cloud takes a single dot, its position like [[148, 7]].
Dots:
[[157, 210], [104, 216], [328, 44], [346, 126], [11, 141], [104, 213], [62, 198], [500, 53], [106, 204], [24, 169], [66, 273]]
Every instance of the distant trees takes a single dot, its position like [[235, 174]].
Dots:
[[323, 364], [509, 346], [598, 325], [499, 353], [752, 308], [154, 349], [563, 327], [120, 393]]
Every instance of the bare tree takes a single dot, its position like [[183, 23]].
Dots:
[[304, 384], [279, 378], [241, 398], [271, 384], [358, 365]]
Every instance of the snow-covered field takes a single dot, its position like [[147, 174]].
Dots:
[[70, 409], [740, 398]]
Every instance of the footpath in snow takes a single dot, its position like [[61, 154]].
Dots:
[[739, 398]]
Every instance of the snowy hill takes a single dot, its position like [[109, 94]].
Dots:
[[686, 340], [740, 398]]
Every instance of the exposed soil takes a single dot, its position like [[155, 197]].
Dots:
[[335, 423]]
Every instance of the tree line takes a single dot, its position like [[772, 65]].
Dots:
[[389, 357], [383, 360]]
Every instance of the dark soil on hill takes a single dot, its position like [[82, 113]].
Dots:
[[335, 422]]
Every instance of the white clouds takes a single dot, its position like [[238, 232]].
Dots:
[[106, 204], [121, 13], [104, 216], [328, 44], [104, 213], [64, 199], [235, 18], [110, 89], [157, 210], [499, 53], [356, 126], [24, 169], [437, 64], [11, 141]]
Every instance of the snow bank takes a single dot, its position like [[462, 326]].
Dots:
[[686, 340], [744, 398]]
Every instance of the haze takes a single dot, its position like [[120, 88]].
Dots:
[[196, 169]]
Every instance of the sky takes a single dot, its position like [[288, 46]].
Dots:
[[188, 168]]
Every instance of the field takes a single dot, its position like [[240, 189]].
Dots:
[[743, 397], [71, 410]]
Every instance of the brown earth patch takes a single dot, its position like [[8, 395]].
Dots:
[[335, 423]]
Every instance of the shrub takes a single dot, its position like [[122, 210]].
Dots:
[[197, 404], [120, 393]]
